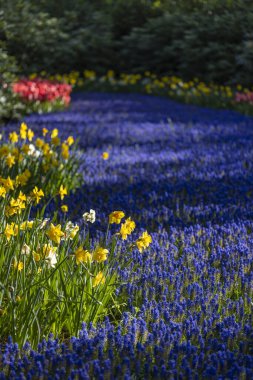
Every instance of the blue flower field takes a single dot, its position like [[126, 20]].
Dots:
[[184, 174]]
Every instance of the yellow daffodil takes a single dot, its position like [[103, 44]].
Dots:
[[62, 192], [99, 279], [64, 208], [9, 231], [2, 192], [8, 183], [13, 137], [82, 255], [44, 131], [116, 216], [10, 160], [100, 254], [23, 178], [28, 224], [39, 143], [18, 265], [55, 141], [143, 241], [70, 140], [23, 131], [55, 233], [54, 133], [105, 155], [37, 194], [30, 134], [65, 151], [127, 228]]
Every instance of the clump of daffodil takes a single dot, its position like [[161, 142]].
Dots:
[[116, 216]]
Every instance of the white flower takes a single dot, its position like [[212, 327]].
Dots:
[[71, 230], [25, 249], [43, 223], [90, 216], [33, 151], [51, 259]]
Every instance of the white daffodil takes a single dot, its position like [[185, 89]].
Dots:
[[71, 230], [25, 249], [90, 216], [51, 259]]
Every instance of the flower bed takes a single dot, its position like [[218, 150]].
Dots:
[[184, 304], [190, 92], [42, 91]]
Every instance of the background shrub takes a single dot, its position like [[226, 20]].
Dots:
[[209, 39]]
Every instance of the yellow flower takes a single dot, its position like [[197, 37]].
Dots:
[[46, 149], [10, 160], [22, 197], [64, 208], [116, 216], [127, 228], [65, 151], [39, 143], [13, 137], [2, 192], [9, 231], [105, 155], [18, 265], [10, 211], [28, 224], [23, 131], [37, 194], [82, 256], [143, 241], [54, 133], [99, 279], [17, 204], [44, 131], [62, 192], [55, 141], [30, 134], [55, 233], [4, 150], [100, 254], [23, 178], [25, 148], [8, 183], [36, 256], [70, 140]]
